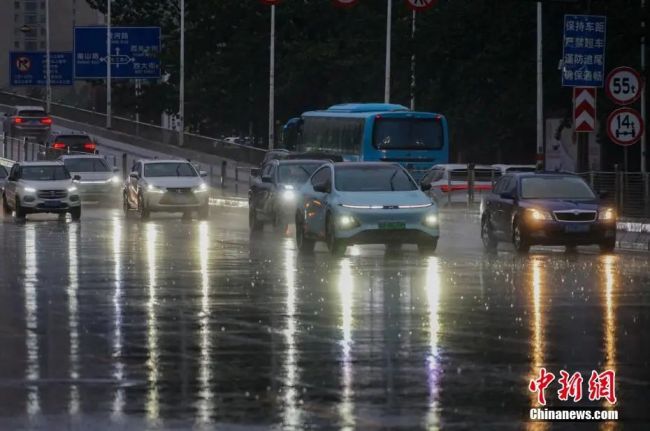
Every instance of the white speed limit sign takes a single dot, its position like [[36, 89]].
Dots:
[[625, 126], [624, 85]]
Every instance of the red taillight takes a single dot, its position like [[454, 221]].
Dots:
[[58, 146], [46, 121], [17, 120], [89, 146]]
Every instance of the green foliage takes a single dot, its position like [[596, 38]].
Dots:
[[475, 62]]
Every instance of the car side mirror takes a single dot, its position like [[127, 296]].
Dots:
[[267, 179], [506, 195], [425, 187], [322, 188], [116, 170], [76, 178], [134, 175], [203, 173]]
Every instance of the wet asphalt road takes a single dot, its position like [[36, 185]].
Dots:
[[171, 324]]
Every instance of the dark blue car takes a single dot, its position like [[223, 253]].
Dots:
[[546, 209]]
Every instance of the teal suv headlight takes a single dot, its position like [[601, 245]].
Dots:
[[430, 220], [346, 221]]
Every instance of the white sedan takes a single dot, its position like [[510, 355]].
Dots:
[[166, 186]]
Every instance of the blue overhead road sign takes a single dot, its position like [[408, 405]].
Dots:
[[135, 52], [29, 68], [583, 62]]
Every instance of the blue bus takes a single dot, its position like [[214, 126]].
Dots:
[[372, 132]]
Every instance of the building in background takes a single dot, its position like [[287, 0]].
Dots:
[[22, 28]]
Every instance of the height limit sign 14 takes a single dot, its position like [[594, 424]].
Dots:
[[625, 126]]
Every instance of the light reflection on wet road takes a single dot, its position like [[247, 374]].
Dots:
[[114, 323]]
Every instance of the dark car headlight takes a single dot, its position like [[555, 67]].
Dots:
[[535, 215], [607, 214]]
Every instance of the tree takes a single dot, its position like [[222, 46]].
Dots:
[[475, 63]]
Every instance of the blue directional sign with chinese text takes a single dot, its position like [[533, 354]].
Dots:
[[135, 52], [584, 51], [29, 68]]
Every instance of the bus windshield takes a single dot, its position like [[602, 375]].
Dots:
[[407, 134]]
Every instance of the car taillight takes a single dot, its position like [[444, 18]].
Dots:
[[17, 120], [46, 121], [90, 146], [58, 146]]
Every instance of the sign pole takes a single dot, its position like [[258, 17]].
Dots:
[[389, 19], [181, 96], [540, 91], [643, 73], [48, 76], [413, 23], [108, 66], [272, 82]]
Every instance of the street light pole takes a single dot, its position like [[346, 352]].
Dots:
[[272, 82], [181, 97], [48, 76], [413, 61], [389, 20], [643, 105], [109, 106], [540, 91]]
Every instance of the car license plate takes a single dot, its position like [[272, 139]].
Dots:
[[392, 225], [52, 204], [576, 228]]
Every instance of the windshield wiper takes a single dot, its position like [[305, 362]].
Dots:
[[392, 177]]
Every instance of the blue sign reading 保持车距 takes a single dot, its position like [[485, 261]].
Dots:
[[30, 68], [135, 52], [583, 62]]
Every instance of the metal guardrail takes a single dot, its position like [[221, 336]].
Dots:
[[19, 150], [237, 152], [629, 192]]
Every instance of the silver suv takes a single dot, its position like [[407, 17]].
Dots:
[[41, 187]]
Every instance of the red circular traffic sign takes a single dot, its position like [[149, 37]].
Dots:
[[625, 126], [345, 3], [271, 2], [624, 85], [23, 64], [419, 5]]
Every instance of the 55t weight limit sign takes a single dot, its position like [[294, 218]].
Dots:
[[624, 85]]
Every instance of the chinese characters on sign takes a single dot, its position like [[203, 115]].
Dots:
[[135, 52], [30, 68], [584, 51], [600, 386]]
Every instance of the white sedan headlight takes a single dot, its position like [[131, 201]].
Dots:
[[288, 195], [29, 190], [154, 189], [203, 187], [72, 189], [115, 179]]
